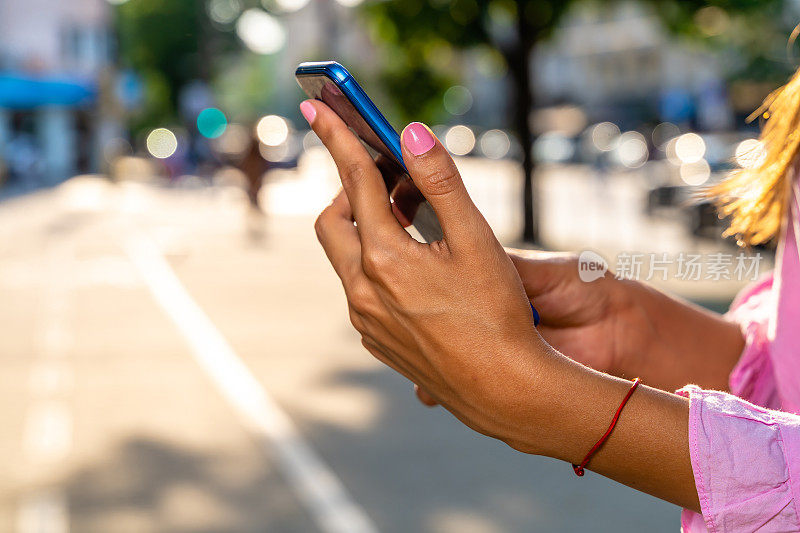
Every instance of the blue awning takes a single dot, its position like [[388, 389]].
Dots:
[[19, 92]]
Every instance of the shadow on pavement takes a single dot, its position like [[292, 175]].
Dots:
[[419, 469], [144, 486]]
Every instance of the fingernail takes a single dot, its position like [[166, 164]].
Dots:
[[418, 138], [308, 111]]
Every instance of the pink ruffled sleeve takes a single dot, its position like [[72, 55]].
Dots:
[[753, 377], [746, 463]]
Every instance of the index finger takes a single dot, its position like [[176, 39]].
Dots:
[[361, 179]]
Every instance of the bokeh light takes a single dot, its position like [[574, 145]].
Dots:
[[349, 3], [495, 144], [604, 136], [490, 62], [274, 153], [690, 148], [224, 11], [439, 54], [289, 6], [311, 140], [663, 133], [632, 149], [211, 123], [233, 142], [459, 140], [750, 153], [712, 20], [161, 143], [553, 147], [696, 173], [669, 150], [260, 31], [457, 100], [272, 130]]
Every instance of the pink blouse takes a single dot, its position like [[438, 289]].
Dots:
[[745, 446]]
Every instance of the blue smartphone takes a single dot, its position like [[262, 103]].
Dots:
[[330, 82]]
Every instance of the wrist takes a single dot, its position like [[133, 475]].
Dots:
[[541, 405], [570, 409], [630, 325], [517, 404], [685, 343]]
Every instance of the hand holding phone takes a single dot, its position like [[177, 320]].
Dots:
[[452, 315], [330, 82]]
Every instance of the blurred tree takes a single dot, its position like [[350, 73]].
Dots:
[[751, 37], [169, 44], [245, 86], [423, 37]]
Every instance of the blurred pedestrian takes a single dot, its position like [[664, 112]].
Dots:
[[254, 166]]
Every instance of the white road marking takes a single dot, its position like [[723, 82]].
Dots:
[[314, 482], [44, 512], [51, 378], [48, 432], [54, 340]]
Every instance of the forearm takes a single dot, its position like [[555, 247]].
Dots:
[[688, 344], [648, 449]]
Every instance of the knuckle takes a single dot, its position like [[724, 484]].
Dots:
[[372, 347], [353, 174], [377, 261], [368, 344], [360, 297], [319, 225], [441, 180], [356, 319]]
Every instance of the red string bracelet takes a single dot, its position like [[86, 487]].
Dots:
[[579, 468]]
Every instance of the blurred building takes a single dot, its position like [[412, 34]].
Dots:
[[53, 55], [620, 62], [321, 31]]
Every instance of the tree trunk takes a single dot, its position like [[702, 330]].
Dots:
[[519, 67], [203, 43]]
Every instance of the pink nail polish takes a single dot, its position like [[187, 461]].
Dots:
[[417, 138], [308, 111]]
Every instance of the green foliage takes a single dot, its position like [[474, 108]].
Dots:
[[422, 39], [245, 85], [168, 43], [752, 34]]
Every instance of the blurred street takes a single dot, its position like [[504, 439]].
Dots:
[[113, 421], [175, 348]]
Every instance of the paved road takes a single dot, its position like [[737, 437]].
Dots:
[[121, 414]]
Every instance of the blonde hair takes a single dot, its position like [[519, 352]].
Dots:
[[756, 199]]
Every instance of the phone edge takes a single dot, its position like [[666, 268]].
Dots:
[[338, 74]]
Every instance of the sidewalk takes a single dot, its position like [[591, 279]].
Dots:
[[138, 436]]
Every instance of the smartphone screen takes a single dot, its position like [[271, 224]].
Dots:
[[408, 204]]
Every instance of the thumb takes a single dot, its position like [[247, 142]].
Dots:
[[436, 176], [542, 272]]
